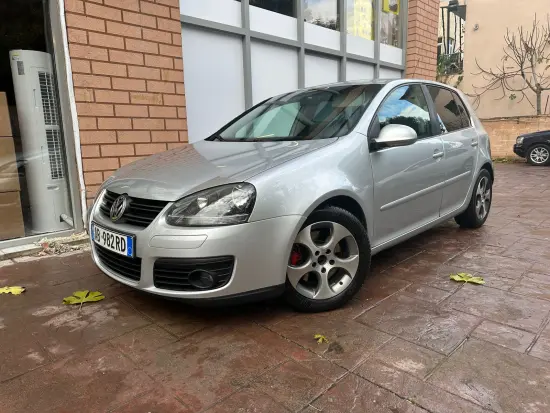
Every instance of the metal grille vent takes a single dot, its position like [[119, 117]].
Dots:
[[55, 152], [51, 120], [49, 99]]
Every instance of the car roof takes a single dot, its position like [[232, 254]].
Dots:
[[381, 82], [378, 82]]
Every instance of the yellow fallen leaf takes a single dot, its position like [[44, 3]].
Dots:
[[80, 297], [320, 338], [467, 278], [15, 290]]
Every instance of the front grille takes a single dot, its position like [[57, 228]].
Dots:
[[124, 266], [173, 273], [140, 212]]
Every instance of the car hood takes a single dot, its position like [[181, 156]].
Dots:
[[538, 134], [168, 176]]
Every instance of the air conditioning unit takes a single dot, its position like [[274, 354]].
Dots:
[[41, 139]]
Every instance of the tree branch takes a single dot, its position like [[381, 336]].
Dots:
[[524, 67]]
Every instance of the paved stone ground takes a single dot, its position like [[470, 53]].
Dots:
[[412, 341]]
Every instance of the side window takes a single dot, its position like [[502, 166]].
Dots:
[[446, 108], [407, 105], [463, 112]]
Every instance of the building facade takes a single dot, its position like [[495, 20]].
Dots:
[[481, 32], [117, 80], [479, 42]]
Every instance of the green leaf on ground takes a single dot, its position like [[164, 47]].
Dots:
[[85, 296], [320, 338], [15, 290], [467, 278]]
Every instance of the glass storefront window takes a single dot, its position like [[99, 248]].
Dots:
[[322, 13], [34, 187], [286, 7], [390, 24], [361, 18]]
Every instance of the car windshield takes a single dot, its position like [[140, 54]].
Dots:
[[315, 113]]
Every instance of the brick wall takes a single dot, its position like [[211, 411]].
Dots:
[[127, 67], [504, 131], [422, 39]]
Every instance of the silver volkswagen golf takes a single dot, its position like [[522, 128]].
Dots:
[[295, 195]]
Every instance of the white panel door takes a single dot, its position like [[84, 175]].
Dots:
[[274, 70], [214, 80], [321, 70]]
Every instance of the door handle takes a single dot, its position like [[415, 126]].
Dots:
[[474, 142], [437, 155]]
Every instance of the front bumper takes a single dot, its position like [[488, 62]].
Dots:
[[260, 249], [519, 150]]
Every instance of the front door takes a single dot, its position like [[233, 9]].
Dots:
[[460, 141], [407, 179]]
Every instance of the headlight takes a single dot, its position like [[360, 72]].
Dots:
[[519, 140], [222, 205]]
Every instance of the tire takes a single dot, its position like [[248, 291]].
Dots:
[[471, 217], [538, 155], [320, 278]]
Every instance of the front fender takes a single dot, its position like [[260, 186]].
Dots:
[[300, 186]]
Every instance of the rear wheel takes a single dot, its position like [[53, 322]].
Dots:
[[478, 209], [329, 262], [539, 155]]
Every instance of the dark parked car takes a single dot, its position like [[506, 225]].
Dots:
[[535, 147]]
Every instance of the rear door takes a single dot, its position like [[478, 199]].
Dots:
[[460, 142], [408, 180]]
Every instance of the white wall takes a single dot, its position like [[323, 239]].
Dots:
[[321, 70], [214, 67], [266, 21], [359, 71], [274, 70], [214, 80], [360, 46], [386, 73], [321, 36], [221, 11], [391, 54]]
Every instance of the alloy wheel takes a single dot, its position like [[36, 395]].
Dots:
[[539, 155], [483, 198], [324, 260]]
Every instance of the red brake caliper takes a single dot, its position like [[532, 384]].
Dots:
[[295, 257]]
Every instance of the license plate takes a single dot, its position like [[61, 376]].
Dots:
[[120, 243]]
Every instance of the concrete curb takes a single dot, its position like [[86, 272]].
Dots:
[[35, 248]]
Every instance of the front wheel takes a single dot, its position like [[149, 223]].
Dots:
[[539, 155], [329, 262], [478, 209]]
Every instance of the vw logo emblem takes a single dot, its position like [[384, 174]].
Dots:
[[119, 207]]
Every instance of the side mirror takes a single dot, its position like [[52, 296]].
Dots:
[[395, 135]]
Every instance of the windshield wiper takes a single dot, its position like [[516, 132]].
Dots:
[[216, 138]]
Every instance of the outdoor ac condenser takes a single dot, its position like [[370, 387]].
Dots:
[[40, 126]]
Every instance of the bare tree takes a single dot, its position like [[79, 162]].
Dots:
[[524, 68]]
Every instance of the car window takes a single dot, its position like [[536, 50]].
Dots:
[[276, 121], [407, 105], [315, 113], [463, 112], [446, 108]]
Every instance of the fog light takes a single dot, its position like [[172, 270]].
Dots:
[[201, 279]]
